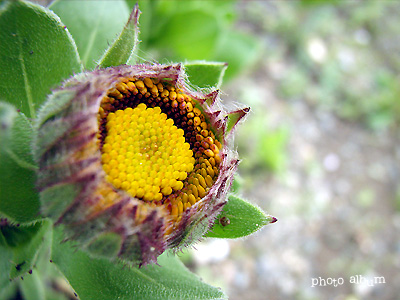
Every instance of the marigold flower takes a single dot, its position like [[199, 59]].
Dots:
[[132, 161]]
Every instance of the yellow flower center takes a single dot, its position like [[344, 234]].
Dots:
[[156, 145], [145, 154]]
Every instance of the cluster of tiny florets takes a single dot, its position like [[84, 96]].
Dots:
[[157, 144], [145, 154]]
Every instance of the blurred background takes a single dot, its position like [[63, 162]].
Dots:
[[320, 149]]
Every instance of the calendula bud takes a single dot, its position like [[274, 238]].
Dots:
[[132, 161]]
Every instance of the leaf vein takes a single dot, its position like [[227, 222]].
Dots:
[[23, 164]]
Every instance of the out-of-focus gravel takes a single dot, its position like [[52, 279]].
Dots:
[[336, 209], [336, 199]]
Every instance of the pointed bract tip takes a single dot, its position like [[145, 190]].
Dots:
[[135, 14], [273, 220]]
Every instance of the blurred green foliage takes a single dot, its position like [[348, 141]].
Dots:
[[196, 30], [265, 145], [271, 149], [337, 55]]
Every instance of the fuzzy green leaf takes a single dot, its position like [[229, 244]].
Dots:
[[93, 24], [98, 278], [5, 267], [121, 50], [32, 287], [239, 218], [206, 74], [24, 243], [9, 290], [19, 199], [36, 54]]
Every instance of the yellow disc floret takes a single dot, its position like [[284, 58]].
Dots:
[[145, 154]]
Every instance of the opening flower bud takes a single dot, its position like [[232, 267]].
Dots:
[[132, 159]]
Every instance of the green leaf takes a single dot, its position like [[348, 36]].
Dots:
[[36, 54], [122, 49], [5, 267], [241, 51], [93, 24], [188, 34], [19, 199], [32, 287], [8, 291], [98, 278], [206, 74], [24, 243], [47, 276], [105, 245], [239, 218], [180, 30]]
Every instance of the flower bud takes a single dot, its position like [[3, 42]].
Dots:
[[132, 161]]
